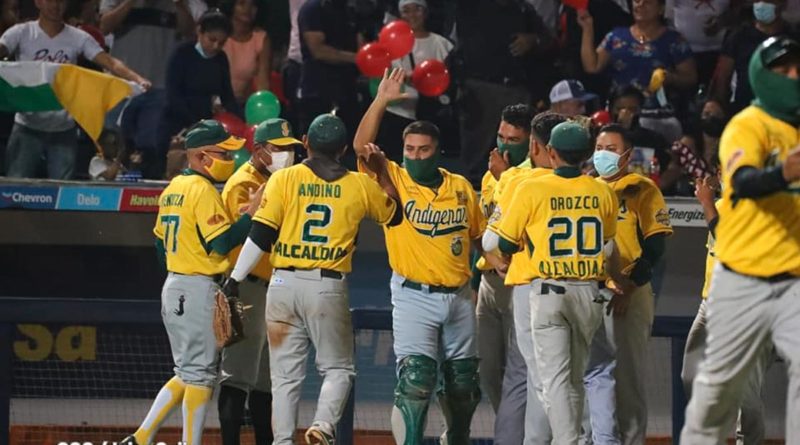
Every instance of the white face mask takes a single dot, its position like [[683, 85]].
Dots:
[[281, 159]]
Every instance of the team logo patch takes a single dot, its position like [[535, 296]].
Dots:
[[285, 129], [216, 219], [734, 159], [462, 198], [662, 217], [496, 215], [456, 246]]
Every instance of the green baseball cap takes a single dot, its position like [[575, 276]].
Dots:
[[276, 132], [210, 132], [327, 134], [570, 137]]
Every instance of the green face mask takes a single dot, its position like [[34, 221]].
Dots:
[[776, 94], [516, 152], [424, 171]]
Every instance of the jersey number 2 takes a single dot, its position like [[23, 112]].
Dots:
[[561, 230], [319, 216], [171, 223]]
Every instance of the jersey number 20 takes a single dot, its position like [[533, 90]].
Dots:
[[319, 216], [561, 231]]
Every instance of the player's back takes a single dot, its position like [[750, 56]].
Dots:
[[567, 221], [759, 237], [318, 220], [190, 215]]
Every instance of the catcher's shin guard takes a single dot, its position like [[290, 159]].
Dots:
[[459, 397], [412, 395]]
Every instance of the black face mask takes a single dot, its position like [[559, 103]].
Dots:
[[712, 126]]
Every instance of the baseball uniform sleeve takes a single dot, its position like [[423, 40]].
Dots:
[[158, 229], [610, 214], [515, 219], [477, 221], [380, 207], [743, 143], [271, 212], [210, 214], [652, 211]]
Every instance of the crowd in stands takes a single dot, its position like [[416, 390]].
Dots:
[[670, 71]]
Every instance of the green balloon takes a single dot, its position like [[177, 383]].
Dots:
[[261, 105], [374, 82], [240, 156]]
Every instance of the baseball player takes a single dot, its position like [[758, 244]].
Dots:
[[429, 253], [195, 234], [643, 226], [245, 365], [493, 312], [753, 300], [750, 422], [569, 219], [309, 222], [519, 404]]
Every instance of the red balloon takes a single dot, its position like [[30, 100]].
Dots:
[[431, 78], [276, 86], [249, 132], [601, 117], [398, 38], [231, 122], [373, 59]]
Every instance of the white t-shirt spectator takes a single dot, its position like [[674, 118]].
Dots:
[[28, 42], [432, 47], [690, 18], [294, 35]]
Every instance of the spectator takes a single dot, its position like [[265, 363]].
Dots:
[[740, 43], [702, 139], [497, 40], [646, 55], [328, 41], [569, 98], [249, 50], [51, 135], [701, 23], [146, 33], [294, 61], [9, 14], [198, 74], [112, 165], [427, 45], [650, 149]]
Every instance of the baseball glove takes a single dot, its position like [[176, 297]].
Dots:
[[228, 313]]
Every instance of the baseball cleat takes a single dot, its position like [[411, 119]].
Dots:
[[130, 440], [316, 436]]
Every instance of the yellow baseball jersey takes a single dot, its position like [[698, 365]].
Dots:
[[758, 237], [317, 221], [520, 271], [487, 202], [236, 197], [190, 216], [642, 213], [567, 218], [432, 245]]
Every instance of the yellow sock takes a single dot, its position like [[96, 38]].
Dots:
[[195, 404], [167, 399]]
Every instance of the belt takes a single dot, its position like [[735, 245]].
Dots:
[[217, 278], [770, 279], [325, 273], [431, 289]]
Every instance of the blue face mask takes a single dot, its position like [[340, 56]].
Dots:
[[200, 51], [764, 12], [606, 163]]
